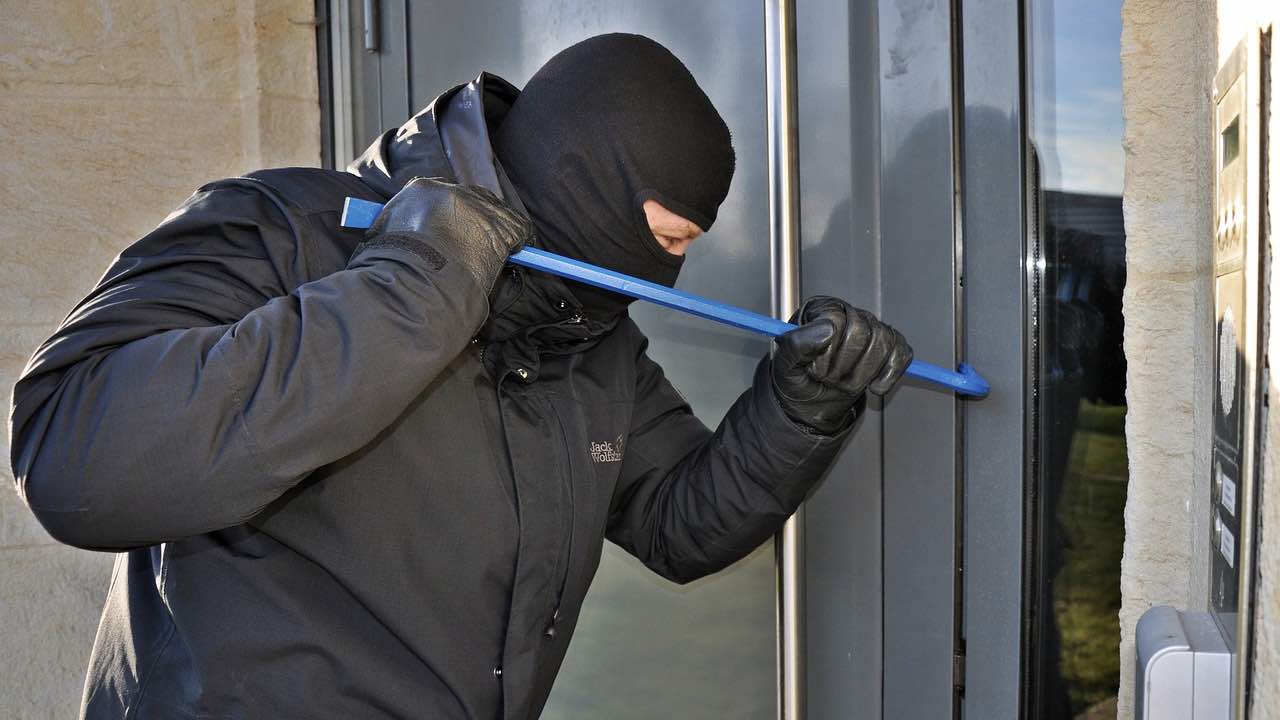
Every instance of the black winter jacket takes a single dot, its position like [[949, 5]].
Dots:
[[332, 497]]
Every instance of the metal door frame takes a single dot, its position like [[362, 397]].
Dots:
[[781, 98], [965, 105], [1000, 282]]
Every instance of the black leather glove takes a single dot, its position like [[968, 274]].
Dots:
[[822, 368], [466, 223]]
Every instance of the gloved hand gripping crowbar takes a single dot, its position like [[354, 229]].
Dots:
[[359, 214]]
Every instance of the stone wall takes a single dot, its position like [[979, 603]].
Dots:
[[1167, 53], [1170, 54], [114, 112]]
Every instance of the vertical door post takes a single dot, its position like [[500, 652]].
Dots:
[[784, 281]]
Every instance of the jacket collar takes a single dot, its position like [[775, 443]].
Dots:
[[450, 139]]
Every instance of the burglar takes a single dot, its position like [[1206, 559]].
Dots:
[[367, 475]]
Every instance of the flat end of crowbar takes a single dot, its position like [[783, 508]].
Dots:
[[970, 383], [359, 214]]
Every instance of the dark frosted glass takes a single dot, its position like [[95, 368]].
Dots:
[[1080, 489]]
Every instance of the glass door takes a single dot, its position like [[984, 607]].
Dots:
[[1080, 482], [644, 648]]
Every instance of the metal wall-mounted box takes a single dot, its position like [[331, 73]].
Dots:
[[1237, 303], [1239, 268], [1184, 667]]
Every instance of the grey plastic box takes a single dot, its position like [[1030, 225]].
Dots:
[[1184, 667]]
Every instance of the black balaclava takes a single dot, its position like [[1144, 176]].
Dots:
[[603, 126]]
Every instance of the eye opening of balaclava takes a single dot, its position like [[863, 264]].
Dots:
[[603, 126]]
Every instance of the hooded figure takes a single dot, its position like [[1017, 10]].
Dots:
[[602, 127], [370, 476]]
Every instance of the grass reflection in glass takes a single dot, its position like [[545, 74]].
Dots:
[[1087, 598]]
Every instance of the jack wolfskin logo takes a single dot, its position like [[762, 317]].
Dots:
[[607, 452]]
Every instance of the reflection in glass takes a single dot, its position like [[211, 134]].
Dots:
[[1076, 129]]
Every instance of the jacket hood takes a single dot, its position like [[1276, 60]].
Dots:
[[449, 139], [604, 126]]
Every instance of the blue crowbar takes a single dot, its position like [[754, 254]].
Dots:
[[359, 214]]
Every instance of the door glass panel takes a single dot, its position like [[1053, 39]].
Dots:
[[1078, 167], [644, 647]]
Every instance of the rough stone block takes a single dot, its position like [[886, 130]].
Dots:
[[52, 598], [117, 48], [286, 135], [84, 192], [281, 33]]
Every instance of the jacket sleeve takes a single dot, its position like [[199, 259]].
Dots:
[[690, 501], [198, 382]]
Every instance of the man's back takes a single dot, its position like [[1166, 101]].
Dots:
[[380, 584], [383, 581]]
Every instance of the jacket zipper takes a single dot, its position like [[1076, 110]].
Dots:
[[573, 519], [563, 581]]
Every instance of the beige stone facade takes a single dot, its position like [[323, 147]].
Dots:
[[1170, 54], [1167, 64], [113, 113]]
